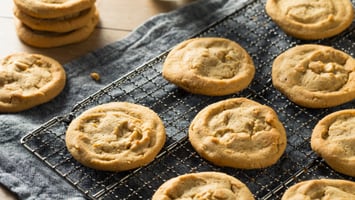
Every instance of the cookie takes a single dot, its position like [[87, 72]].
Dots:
[[312, 19], [53, 8], [238, 133], [321, 189], [58, 25], [333, 138], [203, 185], [115, 136], [209, 66], [48, 39], [315, 76], [28, 80]]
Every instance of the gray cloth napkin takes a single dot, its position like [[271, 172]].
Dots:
[[30, 178]]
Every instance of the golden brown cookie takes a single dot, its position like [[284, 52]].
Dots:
[[28, 80], [48, 39], [238, 133], [203, 185], [321, 189], [209, 66], [58, 25], [315, 76], [311, 19], [116, 136], [333, 138], [53, 8]]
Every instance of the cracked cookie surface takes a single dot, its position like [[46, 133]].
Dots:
[[27, 80], [238, 133], [333, 138], [311, 19], [315, 76], [116, 136], [209, 66], [203, 185], [321, 189]]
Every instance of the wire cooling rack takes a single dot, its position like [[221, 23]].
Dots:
[[253, 30]]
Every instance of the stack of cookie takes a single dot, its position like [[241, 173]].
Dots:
[[53, 23]]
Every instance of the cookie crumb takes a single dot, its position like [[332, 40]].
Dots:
[[95, 76]]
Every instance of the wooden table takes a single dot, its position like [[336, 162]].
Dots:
[[117, 19]]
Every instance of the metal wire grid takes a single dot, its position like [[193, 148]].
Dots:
[[177, 108]]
